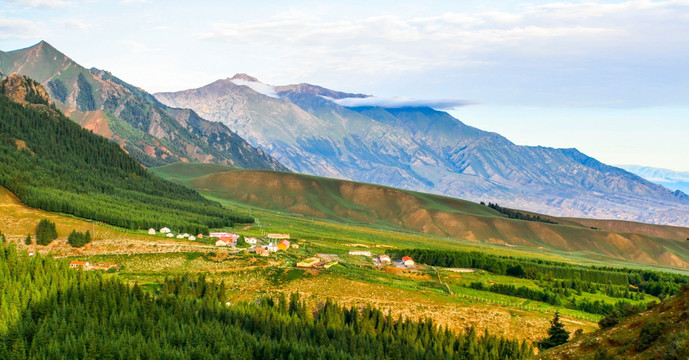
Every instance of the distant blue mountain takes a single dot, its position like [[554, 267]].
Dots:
[[673, 180]]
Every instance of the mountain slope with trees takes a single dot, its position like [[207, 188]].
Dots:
[[58, 312], [148, 130], [51, 163]]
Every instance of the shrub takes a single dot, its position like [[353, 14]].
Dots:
[[650, 332]]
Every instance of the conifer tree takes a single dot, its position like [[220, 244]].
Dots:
[[557, 334], [28, 241]]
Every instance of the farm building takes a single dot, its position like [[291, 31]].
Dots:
[[384, 259], [164, 230], [180, 236], [31, 253], [283, 245], [151, 231], [359, 253], [277, 236], [261, 251], [185, 235], [408, 261], [76, 264], [271, 247], [310, 262], [192, 238], [221, 235], [170, 235], [225, 241], [199, 236], [251, 240]]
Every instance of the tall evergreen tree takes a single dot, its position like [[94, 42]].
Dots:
[[557, 335], [28, 240]]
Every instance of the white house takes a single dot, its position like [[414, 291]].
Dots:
[[271, 247], [408, 261], [192, 238], [359, 253], [251, 240], [224, 242], [170, 235], [384, 258], [185, 235], [180, 236], [164, 230], [278, 236], [151, 231]]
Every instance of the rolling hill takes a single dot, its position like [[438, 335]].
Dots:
[[150, 132], [389, 208], [323, 132]]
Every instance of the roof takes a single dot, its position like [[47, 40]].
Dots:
[[79, 263], [407, 258]]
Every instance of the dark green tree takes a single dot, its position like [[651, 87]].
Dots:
[[28, 241], [557, 335], [45, 232]]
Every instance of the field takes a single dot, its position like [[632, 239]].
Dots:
[[439, 293]]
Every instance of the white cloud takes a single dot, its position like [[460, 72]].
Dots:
[[398, 102], [560, 39], [41, 3], [19, 29], [74, 23], [138, 47], [258, 87]]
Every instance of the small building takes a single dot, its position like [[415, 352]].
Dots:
[[222, 234], [261, 251], [295, 246], [77, 264], [31, 253], [223, 242], [384, 259], [151, 231], [180, 236], [308, 263], [185, 235], [408, 261], [283, 245], [199, 236], [170, 235], [192, 237], [271, 247], [277, 236], [359, 253], [164, 230], [251, 240]]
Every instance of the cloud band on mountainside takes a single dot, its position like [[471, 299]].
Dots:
[[398, 102]]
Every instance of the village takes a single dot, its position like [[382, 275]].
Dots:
[[264, 246]]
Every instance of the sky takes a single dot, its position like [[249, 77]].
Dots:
[[608, 78]]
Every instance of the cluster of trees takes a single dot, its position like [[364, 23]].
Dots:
[[560, 281], [58, 313], [45, 232], [516, 214], [521, 292], [65, 168], [79, 239]]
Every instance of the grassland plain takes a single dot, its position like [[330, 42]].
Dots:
[[392, 210], [148, 260]]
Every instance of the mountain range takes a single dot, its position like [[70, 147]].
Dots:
[[675, 180], [314, 130], [152, 133]]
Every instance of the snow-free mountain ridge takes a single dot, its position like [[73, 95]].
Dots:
[[422, 149]]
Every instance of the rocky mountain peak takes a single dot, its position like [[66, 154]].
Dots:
[[244, 77]]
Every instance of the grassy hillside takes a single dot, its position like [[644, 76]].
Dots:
[[51, 163], [660, 333], [392, 209]]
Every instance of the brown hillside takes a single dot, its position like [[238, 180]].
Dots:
[[435, 215]]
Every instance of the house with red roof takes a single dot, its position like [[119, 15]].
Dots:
[[408, 261]]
